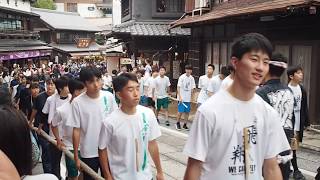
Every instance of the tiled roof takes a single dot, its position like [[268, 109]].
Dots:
[[150, 28], [242, 7], [65, 20]]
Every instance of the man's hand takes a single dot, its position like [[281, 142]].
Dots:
[[39, 131], [160, 176], [77, 161], [60, 145], [30, 123]]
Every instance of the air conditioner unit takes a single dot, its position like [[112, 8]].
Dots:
[[202, 3]]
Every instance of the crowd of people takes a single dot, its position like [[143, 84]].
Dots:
[[248, 124]]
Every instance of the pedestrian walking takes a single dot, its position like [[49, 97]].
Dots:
[[62, 132], [128, 135], [162, 91], [236, 135], [185, 90], [301, 112], [204, 82], [88, 111], [280, 97]]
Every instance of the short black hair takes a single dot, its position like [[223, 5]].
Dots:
[[251, 42], [293, 69], [225, 71], [211, 65], [75, 84], [277, 70], [60, 83], [188, 66], [162, 67], [15, 139], [141, 71], [122, 80], [34, 85], [5, 97], [88, 73], [49, 80], [230, 68], [34, 78]]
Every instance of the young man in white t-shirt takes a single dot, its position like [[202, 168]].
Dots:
[[295, 76], [162, 89], [185, 90], [129, 135], [88, 111], [50, 108], [229, 79], [216, 81], [204, 82], [236, 135], [62, 132], [149, 87]]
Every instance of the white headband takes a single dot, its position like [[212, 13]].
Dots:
[[279, 64]]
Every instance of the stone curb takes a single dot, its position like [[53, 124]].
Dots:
[[310, 148]]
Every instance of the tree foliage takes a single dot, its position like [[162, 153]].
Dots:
[[44, 4]]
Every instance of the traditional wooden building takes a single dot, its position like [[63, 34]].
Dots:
[[292, 26], [19, 42], [145, 34], [70, 35]]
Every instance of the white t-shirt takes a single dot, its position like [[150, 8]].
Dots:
[[87, 114], [297, 108], [107, 81], [59, 120], [226, 82], [204, 81], [216, 136], [51, 105], [214, 84], [141, 86], [162, 85], [151, 84], [123, 135], [40, 177], [148, 70], [185, 85]]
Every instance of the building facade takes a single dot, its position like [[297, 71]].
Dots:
[[71, 36], [19, 42], [291, 25], [144, 33], [98, 12]]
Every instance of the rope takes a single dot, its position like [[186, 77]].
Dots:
[[69, 154]]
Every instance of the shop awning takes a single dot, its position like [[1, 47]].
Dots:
[[12, 53], [242, 7], [72, 48], [80, 54]]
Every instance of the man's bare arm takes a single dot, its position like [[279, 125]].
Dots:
[[271, 170], [193, 170], [103, 158]]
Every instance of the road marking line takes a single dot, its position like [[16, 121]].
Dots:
[[175, 132]]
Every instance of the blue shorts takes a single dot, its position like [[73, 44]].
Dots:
[[184, 107], [143, 101]]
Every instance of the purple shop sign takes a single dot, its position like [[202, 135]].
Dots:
[[23, 54]]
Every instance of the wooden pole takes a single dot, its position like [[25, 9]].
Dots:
[[69, 154]]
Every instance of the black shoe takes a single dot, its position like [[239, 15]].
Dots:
[[167, 123], [178, 126], [185, 127], [297, 175]]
